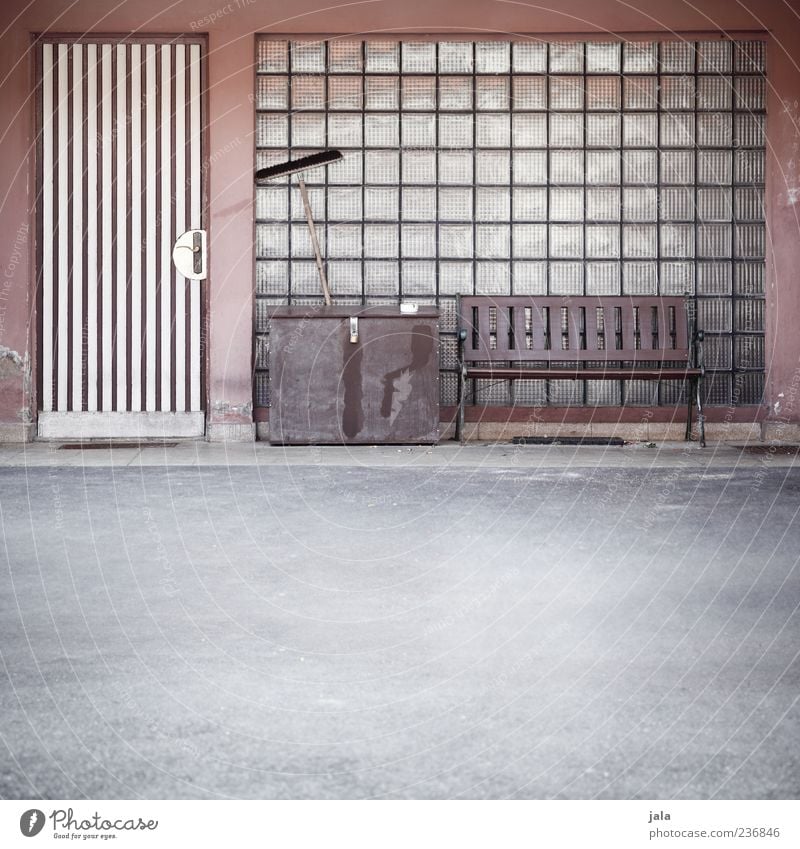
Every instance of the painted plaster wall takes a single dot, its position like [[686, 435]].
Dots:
[[231, 27]]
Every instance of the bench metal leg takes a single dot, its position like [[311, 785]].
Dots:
[[461, 401], [701, 419], [689, 403]]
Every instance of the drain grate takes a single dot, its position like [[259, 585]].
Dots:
[[568, 440], [114, 446], [781, 450]]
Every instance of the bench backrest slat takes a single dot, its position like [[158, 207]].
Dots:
[[520, 328]]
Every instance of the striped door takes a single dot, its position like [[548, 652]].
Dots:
[[119, 180]]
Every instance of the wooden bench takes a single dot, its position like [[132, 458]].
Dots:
[[528, 337]]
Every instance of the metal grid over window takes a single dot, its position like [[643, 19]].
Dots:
[[498, 167]]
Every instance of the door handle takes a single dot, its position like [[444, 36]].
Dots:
[[189, 254]]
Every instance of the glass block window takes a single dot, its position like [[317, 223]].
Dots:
[[521, 167]]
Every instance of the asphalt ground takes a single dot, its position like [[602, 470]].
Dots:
[[488, 622]]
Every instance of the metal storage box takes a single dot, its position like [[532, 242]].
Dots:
[[350, 375]]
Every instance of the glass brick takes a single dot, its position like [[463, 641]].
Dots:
[[566, 57], [344, 93], [418, 240], [529, 130], [344, 240], [455, 167], [455, 278], [491, 93], [566, 166], [677, 241], [272, 131], [639, 278], [381, 204], [272, 278], [419, 57], [602, 241], [529, 167], [677, 57], [749, 315], [272, 202], [714, 315], [420, 131], [603, 57], [455, 204], [455, 93], [640, 93], [714, 57], [566, 92], [714, 204], [307, 56], [418, 204], [714, 278], [677, 278], [749, 278], [603, 130], [382, 166], [640, 166], [316, 200], [750, 166], [272, 56], [419, 93], [750, 204], [382, 57], [750, 57], [603, 167], [677, 167], [566, 241], [349, 169], [345, 277], [308, 130], [456, 130], [603, 204], [749, 130], [419, 278], [382, 93], [639, 241], [714, 240], [677, 92], [455, 241], [419, 166], [381, 240], [455, 57], [603, 93], [530, 241], [492, 130], [750, 93], [749, 351], [639, 204], [344, 204], [529, 278], [750, 240], [717, 352], [529, 204], [677, 130], [640, 130], [492, 57], [566, 130], [492, 278], [344, 130], [493, 241], [308, 92], [530, 92], [529, 57], [717, 389], [272, 93], [344, 56], [714, 129], [492, 204], [381, 278], [602, 278], [566, 278], [677, 204], [714, 167], [714, 93], [301, 240], [639, 57], [493, 166], [566, 204]]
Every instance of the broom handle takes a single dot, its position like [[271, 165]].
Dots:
[[322, 279]]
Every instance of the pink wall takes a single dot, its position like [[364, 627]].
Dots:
[[230, 67]]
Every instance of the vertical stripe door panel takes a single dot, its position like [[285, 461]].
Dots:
[[119, 182]]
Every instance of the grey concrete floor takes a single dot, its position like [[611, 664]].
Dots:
[[252, 622]]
